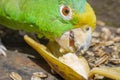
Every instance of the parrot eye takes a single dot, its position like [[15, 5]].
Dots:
[[87, 28], [66, 12]]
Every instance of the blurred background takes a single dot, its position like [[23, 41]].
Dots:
[[107, 11]]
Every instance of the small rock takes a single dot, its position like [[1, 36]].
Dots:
[[15, 76], [118, 31], [39, 76]]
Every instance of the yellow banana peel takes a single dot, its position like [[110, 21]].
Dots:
[[70, 66], [60, 67], [109, 72]]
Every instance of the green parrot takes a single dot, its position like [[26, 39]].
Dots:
[[50, 19]]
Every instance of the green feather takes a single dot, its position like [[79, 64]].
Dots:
[[40, 16]]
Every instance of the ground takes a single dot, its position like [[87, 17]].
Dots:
[[24, 60]]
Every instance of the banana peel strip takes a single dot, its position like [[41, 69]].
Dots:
[[61, 68], [109, 72]]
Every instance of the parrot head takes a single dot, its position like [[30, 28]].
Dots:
[[75, 24], [58, 16]]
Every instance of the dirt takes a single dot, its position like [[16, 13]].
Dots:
[[24, 60]]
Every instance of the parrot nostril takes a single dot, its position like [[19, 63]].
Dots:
[[87, 29]]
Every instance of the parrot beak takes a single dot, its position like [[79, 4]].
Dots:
[[77, 40]]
